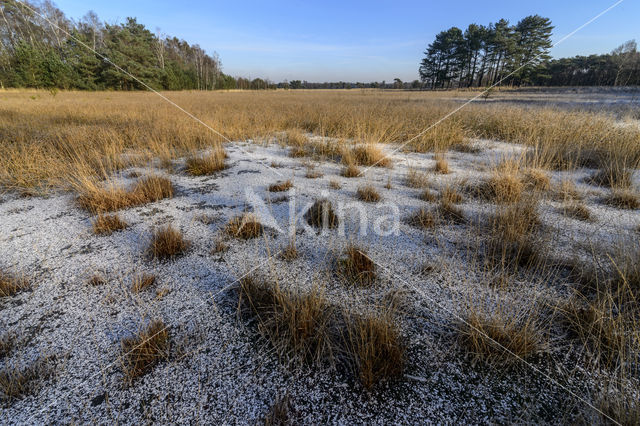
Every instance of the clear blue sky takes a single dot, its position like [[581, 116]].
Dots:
[[352, 40]]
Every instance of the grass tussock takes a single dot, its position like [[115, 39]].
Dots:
[[450, 213], [442, 165], [495, 338], [416, 178], [281, 413], [536, 179], [313, 173], [502, 187], [167, 242], [245, 227], [368, 194], [623, 199], [368, 155], [566, 191], [96, 280], [322, 215], [281, 186], [305, 326], [99, 199], [350, 171], [10, 284], [7, 342], [141, 352], [16, 382], [423, 219], [289, 252], [334, 184], [142, 282], [107, 224], [512, 235], [577, 210], [207, 164], [450, 195], [612, 176], [356, 267]]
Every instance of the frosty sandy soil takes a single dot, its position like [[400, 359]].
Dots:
[[219, 369]]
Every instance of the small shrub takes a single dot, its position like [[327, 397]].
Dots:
[[368, 194], [442, 165], [356, 266], [416, 179], [141, 352], [108, 224], [577, 210], [281, 186], [167, 243], [207, 164], [244, 227], [322, 215], [10, 285], [350, 171], [623, 199], [142, 282]]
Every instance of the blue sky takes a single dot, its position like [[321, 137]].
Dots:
[[353, 40]]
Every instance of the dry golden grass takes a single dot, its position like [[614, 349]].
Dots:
[[141, 352], [167, 242], [96, 280], [322, 215], [10, 285], [85, 134], [289, 252], [442, 165], [350, 171], [356, 267], [313, 173], [623, 199], [219, 247], [496, 337], [536, 179], [566, 191], [107, 224], [369, 155], [142, 282], [368, 193], [334, 184], [244, 227], [428, 195], [208, 163], [613, 176], [416, 179], [449, 213], [577, 210], [450, 195], [16, 382], [502, 187], [98, 199], [281, 186], [305, 326], [422, 218]]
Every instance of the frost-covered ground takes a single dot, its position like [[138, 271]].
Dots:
[[219, 370]]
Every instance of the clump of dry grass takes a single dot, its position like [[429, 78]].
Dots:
[[305, 326], [245, 227], [537, 179], [612, 176], [296, 138], [450, 213], [219, 247], [142, 282], [450, 195], [141, 352], [442, 165], [207, 164], [368, 194], [416, 179], [167, 242], [502, 187], [577, 210], [16, 382], [567, 191], [313, 173], [105, 224], [334, 184], [281, 186], [497, 337], [350, 171], [428, 195], [99, 199], [422, 218], [322, 215], [7, 341], [96, 280], [369, 155], [10, 285], [623, 199], [289, 252], [280, 413], [356, 267], [512, 235]]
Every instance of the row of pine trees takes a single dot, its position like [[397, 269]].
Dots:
[[517, 55]]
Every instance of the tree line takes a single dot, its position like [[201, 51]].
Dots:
[[518, 55], [35, 53]]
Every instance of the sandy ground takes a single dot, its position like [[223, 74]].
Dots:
[[219, 371]]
